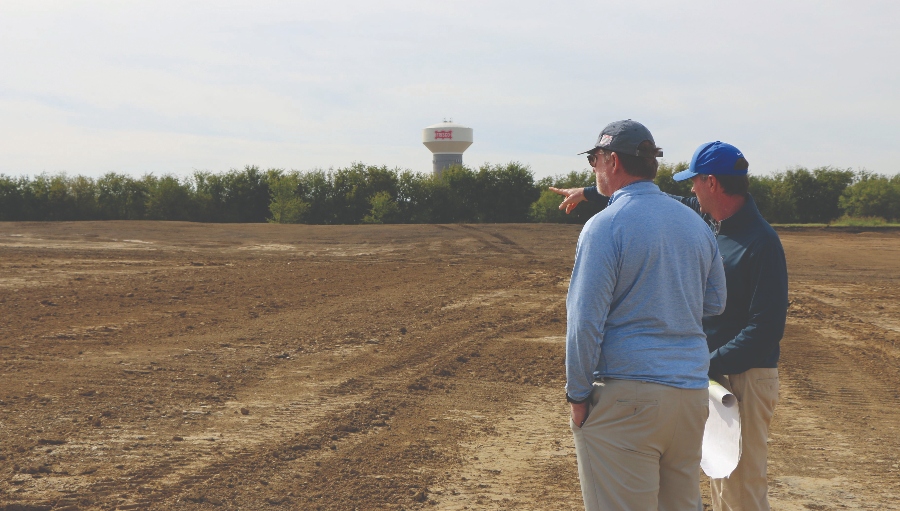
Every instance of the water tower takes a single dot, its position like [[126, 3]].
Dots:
[[447, 141]]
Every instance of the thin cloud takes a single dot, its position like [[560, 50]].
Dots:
[[169, 87]]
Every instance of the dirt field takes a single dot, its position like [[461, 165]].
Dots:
[[150, 365]]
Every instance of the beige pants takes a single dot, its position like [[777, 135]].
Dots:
[[639, 449], [746, 489]]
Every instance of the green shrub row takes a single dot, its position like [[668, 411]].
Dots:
[[372, 194]]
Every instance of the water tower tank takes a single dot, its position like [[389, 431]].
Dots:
[[447, 141]]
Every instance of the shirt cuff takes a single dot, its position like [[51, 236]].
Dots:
[[576, 401], [592, 195]]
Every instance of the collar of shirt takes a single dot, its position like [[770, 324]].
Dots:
[[636, 188], [740, 219]]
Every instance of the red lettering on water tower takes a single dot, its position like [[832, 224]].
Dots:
[[443, 134]]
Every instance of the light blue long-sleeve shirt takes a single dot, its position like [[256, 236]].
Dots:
[[647, 269]]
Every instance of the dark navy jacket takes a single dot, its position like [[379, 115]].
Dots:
[[748, 333]]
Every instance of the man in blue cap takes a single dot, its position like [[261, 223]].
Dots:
[[646, 271], [744, 340]]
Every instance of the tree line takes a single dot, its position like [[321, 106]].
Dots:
[[376, 194]]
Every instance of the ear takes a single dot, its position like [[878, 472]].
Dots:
[[617, 164], [713, 183]]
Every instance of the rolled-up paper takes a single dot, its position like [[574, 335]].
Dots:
[[722, 436], [721, 394]]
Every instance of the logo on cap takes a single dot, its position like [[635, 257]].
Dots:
[[605, 140]]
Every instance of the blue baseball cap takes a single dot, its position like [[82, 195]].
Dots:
[[716, 159]]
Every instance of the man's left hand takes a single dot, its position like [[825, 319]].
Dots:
[[579, 413]]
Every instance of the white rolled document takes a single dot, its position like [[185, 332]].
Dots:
[[722, 436]]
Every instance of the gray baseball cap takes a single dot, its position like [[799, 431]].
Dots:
[[624, 137]]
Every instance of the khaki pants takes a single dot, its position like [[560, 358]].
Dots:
[[639, 449], [746, 489]]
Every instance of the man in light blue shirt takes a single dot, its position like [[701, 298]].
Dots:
[[647, 269]]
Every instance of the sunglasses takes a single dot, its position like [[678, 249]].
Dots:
[[592, 158]]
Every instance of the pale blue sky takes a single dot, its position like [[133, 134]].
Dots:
[[89, 87]]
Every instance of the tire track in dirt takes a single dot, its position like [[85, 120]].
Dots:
[[505, 244], [297, 406], [522, 457], [838, 409]]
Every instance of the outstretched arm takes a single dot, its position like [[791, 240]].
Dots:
[[572, 197], [575, 195]]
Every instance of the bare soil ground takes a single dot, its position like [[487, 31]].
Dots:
[[149, 365]]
